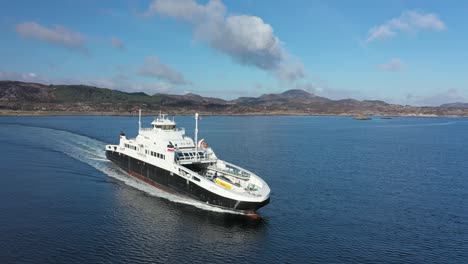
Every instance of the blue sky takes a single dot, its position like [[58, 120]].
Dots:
[[407, 52]]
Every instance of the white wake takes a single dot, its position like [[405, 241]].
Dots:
[[91, 151]]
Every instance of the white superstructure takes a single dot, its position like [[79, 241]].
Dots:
[[165, 146]]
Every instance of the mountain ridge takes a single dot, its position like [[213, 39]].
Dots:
[[455, 105], [23, 96]]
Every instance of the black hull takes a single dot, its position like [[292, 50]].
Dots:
[[162, 179]]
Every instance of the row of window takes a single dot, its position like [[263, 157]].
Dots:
[[130, 146], [165, 127], [152, 153], [155, 154]]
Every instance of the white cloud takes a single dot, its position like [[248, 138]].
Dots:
[[58, 35], [436, 99], [117, 43], [152, 67], [290, 72], [395, 64], [248, 40], [408, 21], [380, 32], [187, 10]]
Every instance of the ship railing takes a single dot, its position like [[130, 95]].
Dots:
[[198, 157], [189, 174], [232, 170], [204, 156], [145, 129]]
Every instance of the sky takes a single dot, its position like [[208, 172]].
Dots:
[[399, 51]]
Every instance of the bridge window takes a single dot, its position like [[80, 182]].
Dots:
[[165, 127]]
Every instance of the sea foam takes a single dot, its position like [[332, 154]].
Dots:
[[91, 152]]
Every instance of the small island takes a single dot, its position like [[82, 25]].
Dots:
[[362, 117]]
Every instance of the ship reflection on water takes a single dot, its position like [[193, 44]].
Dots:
[[176, 207], [171, 232]]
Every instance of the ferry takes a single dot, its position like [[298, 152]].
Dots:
[[163, 157]]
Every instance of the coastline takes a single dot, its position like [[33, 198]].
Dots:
[[188, 113], [32, 99]]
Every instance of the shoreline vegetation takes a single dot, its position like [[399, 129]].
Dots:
[[34, 99]]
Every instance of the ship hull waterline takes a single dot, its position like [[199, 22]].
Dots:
[[173, 183]]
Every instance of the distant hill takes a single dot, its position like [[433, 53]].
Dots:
[[27, 92], [33, 96], [294, 96], [82, 93], [192, 98], [22, 96], [455, 105]]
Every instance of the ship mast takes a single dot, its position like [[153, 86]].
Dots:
[[196, 133], [139, 120]]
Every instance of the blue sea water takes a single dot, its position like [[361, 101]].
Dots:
[[343, 191]]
